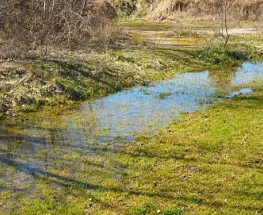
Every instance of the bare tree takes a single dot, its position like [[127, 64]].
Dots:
[[225, 33], [222, 32]]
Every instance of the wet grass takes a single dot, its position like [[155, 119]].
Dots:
[[209, 162], [56, 82], [164, 95]]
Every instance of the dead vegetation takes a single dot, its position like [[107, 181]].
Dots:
[[28, 25], [169, 9]]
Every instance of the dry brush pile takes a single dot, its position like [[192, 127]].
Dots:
[[64, 23]]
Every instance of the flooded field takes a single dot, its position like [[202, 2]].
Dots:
[[79, 146]]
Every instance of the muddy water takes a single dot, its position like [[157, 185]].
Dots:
[[50, 142]]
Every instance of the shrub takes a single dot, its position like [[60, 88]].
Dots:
[[64, 23]]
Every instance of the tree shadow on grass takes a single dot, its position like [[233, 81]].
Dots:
[[78, 184], [99, 72], [246, 103], [39, 172]]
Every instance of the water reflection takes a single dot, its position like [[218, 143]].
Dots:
[[72, 142], [146, 108], [121, 115], [222, 78], [247, 73]]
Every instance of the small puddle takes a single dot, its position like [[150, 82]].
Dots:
[[143, 109], [244, 91], [50, 142]]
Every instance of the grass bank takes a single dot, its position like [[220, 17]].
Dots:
[[30, 84]]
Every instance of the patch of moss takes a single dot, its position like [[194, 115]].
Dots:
[[173, 211], [164, 95]]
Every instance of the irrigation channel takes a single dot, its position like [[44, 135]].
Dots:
[[49, 142]]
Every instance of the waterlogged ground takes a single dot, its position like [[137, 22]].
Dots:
[[68, 76], [86, 160], [143, 109], [182, 34]]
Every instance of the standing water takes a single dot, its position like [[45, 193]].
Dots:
[[49, 143]]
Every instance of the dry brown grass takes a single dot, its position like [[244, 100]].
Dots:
[[29, 25], [168, 9]]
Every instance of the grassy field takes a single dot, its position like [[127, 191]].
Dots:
[[209, 162]]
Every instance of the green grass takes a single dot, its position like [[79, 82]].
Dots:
[[55, 82], [209, 162], [173, 211], [164, 95], [143, 209]]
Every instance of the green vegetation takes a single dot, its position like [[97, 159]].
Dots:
[[55, 82], [143, 209], [164, 95], [172, 211], [63, 78], [209, 162]]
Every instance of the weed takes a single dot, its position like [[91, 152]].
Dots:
[[164, 95], [143, 209], [173, 211]]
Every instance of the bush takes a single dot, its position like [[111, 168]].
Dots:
[[66, 23]]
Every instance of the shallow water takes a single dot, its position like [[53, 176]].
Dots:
[[50, 141], [146, 108]]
